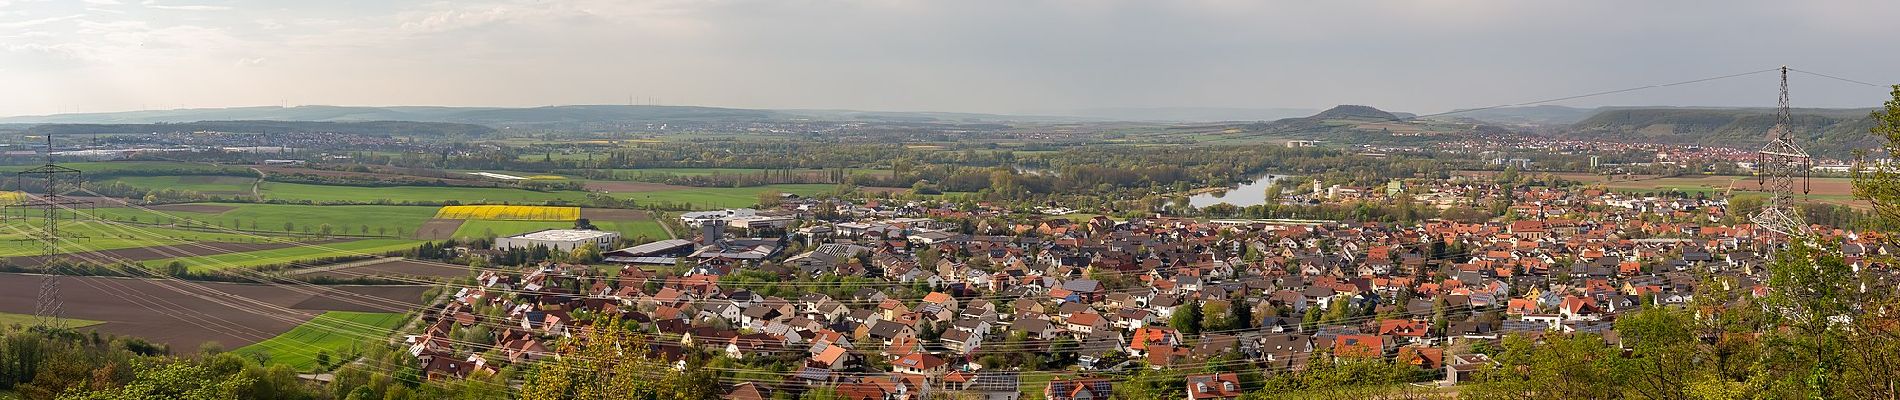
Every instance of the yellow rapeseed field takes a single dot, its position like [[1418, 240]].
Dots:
[[517, 213], [11, 198]]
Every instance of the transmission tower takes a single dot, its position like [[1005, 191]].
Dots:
[[58, 181], [1780, 167]]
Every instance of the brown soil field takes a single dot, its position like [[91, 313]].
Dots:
[[438, 229], [185, 315], [160, 252], [196, 208], [870, 189], [397, 268], [623, 186], [613, 214]]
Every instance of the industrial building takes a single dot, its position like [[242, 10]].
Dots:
[[558, 239]]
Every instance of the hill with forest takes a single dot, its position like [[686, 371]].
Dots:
[[1834, 133], [376, 128]]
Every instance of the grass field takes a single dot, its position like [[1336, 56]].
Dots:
[[411, 194], [341, 334], [512, 213], [735, 171], [628, 229], [351, 219], [709, 198], [108, 167], [286, 255], [94, 235], [206, 184], [11, 319]]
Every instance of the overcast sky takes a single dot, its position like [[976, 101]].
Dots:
[[1006, 56]]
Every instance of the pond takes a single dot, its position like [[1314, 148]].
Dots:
[[1247, 194]]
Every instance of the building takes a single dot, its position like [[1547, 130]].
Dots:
[[558, 239]]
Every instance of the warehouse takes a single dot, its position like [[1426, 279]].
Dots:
[[558, 239]]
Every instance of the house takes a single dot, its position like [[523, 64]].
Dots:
[[1078, 389], [961, 341], [1462, 367], [1224, 385], [920, 364]]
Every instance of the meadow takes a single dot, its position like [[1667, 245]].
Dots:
[[17, 237], [286, 255], [11, 319], [338, 334], [267, 218], [210, 185], [411, 194]]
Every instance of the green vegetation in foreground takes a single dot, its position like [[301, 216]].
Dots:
[[337, 334], [95, 235], [209, 185], [628, 229], [11, 319], [344, 219], [722, 197], [110, 167], [286, 255], [411, 194], [628, 172]]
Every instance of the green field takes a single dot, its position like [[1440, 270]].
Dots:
[[286, 255], [710, 198], [111, 167], [341, 334], [411, 194], [94, 235], [210, 185], [348, 219], [11, 319], [628, 229]]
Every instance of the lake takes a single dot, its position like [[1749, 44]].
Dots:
[[1248, 194]]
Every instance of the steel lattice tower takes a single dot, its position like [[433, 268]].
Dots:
[[47, 307], [1780, 167]]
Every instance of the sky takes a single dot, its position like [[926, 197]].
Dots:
[[1001, 56]]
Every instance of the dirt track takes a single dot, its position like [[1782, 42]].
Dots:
[[187, 314]]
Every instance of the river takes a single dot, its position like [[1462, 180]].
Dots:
[[1247, 194]]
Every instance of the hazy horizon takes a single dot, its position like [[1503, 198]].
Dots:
[[998, 57]]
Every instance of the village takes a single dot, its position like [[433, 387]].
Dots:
[[900, 300]]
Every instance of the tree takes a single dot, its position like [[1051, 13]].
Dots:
[[1187, 319], [289, 227], [176, 380]]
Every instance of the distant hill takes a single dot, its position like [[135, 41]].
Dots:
[[1354, 112], [1188, 114], [551, 116], [1824, 132], [385, 128]]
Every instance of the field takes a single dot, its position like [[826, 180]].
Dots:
[[395, 267], [213, 262], [1821, 190], [268, 218], [83, 236], [11, 319], [411, 194], [211, 185], [157, 252], [184, 315], [514, 213], [709, 198], [340, 334]]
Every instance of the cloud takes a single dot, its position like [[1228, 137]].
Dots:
[[41, 21], [153, 4], [103, 2], [250, 61]]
